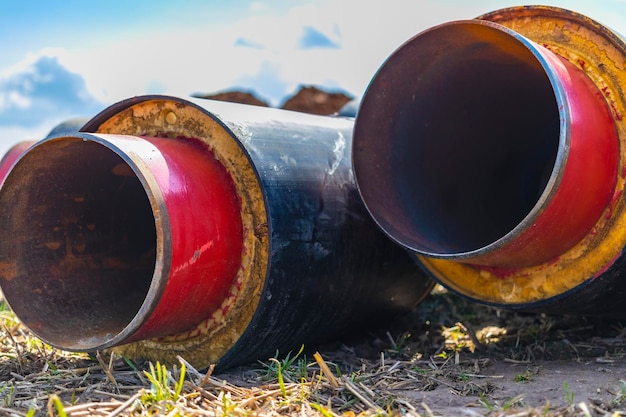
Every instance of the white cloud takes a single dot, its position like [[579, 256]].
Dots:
[[338, 44], [332, 44], [11, 135], [258, 6], [13, 99], [182, 62], [347, 42], [37, 93], [41, 87]]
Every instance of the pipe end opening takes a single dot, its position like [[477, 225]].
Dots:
[[79, 242], [456, 139]]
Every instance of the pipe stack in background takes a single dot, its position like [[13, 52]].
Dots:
[[13, 154], [493, 149], [215, 231]]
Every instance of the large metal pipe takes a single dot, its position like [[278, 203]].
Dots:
[[493, 149], [216, 231]]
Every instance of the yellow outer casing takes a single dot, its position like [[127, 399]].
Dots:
[[211, 339]]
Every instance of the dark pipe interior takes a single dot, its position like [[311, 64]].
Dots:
[[78, 245], [473, 141]]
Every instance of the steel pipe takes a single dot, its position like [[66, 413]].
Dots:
[[492, 149], [216, 231]]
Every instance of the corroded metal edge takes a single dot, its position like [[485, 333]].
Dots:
[[601, 54], [213, 337]]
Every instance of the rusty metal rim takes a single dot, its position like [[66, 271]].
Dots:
[[163, 244], [146, 115], [560, 160], [544, 284], [560, 83]]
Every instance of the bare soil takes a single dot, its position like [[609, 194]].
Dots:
[[449, 357]]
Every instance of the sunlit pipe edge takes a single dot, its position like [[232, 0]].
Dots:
[[594, 49]]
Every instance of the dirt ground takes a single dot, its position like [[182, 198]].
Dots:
[[449, 357], [453, 358], [595, 381]]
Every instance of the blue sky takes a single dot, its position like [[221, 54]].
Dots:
[[73, 58]]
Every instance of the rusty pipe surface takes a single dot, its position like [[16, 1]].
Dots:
[[492, 149], [215, 231]]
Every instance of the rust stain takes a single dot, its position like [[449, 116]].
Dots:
[[8, 270], [261, 230], [52, 245], [607, 93], [613, 203], [122, 170]]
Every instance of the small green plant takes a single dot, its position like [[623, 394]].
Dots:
[[280, 368], [280, 377], [7, 390], [463, 377], [163, 387], [55, 401], [130, 363], [621, 395], [518, 400], [337, 370], [229, 407], [356, 377], [569, 395], [485, 402], [322, 410], [420, 371], [523, 377], [511, 402], [7, 316], [399, 345], [52, 367]]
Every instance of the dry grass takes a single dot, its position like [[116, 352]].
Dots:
[[444, 343]]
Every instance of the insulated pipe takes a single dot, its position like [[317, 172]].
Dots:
[[12, 155], [216, 231], [68, 126], [492, 149]]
